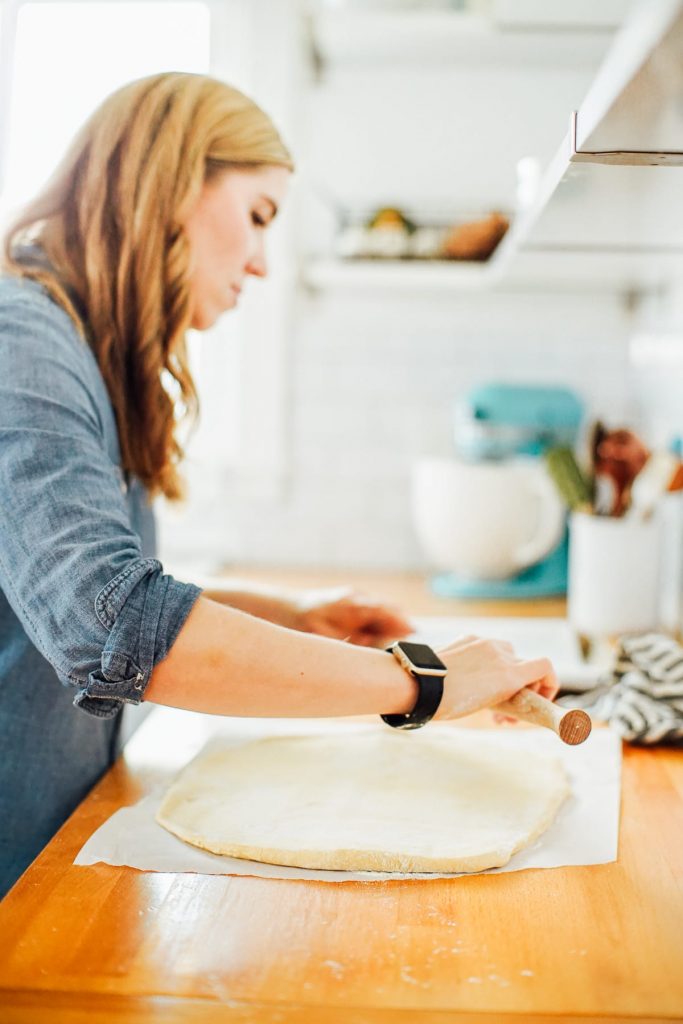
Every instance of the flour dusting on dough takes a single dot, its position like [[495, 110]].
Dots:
[[444, 800]]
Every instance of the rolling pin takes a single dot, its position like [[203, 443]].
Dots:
[[571, 724]]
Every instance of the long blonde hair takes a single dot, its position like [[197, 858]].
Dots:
[[109, 222]]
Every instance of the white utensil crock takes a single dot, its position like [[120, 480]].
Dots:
[[614, 574]]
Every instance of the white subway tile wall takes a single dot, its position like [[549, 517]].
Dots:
[[656, 361], [373, 380]]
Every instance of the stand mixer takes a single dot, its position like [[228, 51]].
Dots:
[[489, 519]]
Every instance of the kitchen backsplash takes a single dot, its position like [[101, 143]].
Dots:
[[656, 361], [373, 379]]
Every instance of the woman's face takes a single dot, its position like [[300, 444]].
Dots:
[[226, 232]]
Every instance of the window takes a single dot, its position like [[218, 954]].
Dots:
[[58, 60], [66, 57]]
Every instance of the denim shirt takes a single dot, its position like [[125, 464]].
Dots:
[[83, 601]]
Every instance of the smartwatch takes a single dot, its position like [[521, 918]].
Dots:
[[429, 671]]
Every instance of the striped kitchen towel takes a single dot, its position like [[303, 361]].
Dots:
[[642, 697]]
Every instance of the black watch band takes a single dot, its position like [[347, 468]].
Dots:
[[414, 658]]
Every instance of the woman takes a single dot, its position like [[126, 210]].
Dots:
[[151, 225]]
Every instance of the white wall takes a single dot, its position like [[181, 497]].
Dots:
[[372, 375], [656, 367], [372, 387]]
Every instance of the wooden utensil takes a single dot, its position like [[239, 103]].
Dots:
[[572, 725]]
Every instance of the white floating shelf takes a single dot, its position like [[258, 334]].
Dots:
[[561, 270], [396, 274]]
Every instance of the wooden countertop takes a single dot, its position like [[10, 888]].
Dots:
[[408, 590], [600, 943]]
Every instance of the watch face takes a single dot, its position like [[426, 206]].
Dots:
[[421, 656]]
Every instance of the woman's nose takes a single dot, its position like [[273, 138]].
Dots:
[[257, 265]]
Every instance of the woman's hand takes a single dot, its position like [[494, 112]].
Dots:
[[345, 615], [482, 673]]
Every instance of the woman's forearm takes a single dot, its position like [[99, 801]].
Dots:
[[264, 602], [226, 662]]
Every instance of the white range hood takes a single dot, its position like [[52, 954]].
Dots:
[[611, 201]]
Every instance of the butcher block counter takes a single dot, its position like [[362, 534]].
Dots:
[[109, 944]]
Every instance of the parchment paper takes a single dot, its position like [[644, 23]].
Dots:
[[584, 832]]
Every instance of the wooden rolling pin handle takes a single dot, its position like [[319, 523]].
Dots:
[[571, 724]]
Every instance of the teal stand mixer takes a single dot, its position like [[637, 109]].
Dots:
[[501, 430]]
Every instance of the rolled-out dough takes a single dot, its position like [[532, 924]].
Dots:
[[443, 799]]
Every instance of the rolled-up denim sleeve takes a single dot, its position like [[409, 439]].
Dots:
[[71, 564], [144, 610]]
